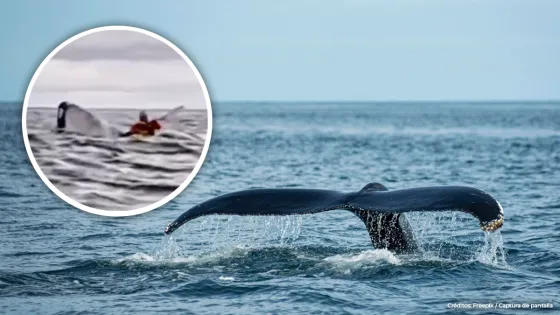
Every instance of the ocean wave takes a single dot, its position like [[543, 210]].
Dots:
[[117, 173]]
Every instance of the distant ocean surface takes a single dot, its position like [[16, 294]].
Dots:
[[55, 259], [110, 173]]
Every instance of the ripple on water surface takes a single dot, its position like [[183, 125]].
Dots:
[[56, 258], [117, 173]]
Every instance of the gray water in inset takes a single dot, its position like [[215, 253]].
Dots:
[[111, 173], [57, 259]]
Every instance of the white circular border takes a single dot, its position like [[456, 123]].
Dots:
[[118, 213]]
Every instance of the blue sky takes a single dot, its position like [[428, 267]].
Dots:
[[319, 50]]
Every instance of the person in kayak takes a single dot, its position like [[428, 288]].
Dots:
[[143, 126]]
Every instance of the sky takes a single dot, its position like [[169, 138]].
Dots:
[[118, 68], [319, 50]]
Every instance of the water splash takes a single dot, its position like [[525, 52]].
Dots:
[[450, 236], [365, 257], [445, 237], [167, 250], [218, 233], [492, 252], [134, 258]]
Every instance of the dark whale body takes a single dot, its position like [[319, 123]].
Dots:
[[381, 210], [61, 116]]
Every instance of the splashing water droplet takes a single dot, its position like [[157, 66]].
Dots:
[[492, 252], [218, 234], [168, 249]]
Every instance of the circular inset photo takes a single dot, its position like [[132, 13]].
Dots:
[[117, 121]]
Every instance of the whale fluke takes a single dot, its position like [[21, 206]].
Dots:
[[381, 210], [61, 115], [73, 118]]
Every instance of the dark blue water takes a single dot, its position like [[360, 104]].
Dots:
[[57, 259]]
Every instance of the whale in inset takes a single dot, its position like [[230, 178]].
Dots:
[[381, 210], [73, 118]]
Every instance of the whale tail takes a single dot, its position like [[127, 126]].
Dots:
[[73, 118], [61, 115], [386, 230], [382, 211]]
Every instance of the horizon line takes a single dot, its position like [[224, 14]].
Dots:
[[397, 101], [121, 108], [368, 101]]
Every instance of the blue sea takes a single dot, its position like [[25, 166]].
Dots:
[[55, 259]]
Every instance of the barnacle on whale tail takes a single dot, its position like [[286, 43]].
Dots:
[[492, 225]]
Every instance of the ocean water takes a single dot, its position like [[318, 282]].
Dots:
[[111, 173], [55, 259]]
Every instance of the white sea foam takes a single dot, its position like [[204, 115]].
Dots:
[[222, 278], [363, 258]]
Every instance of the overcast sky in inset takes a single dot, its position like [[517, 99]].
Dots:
[[119, 69]]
